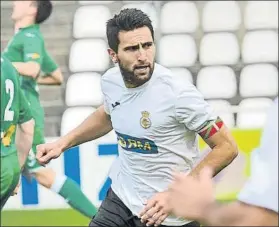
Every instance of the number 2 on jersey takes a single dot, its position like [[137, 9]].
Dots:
[[9, 114]]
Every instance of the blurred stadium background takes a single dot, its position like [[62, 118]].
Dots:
[[228, 49]]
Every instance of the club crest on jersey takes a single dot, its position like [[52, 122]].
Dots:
[[145, 121]]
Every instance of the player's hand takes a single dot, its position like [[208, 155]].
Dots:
[[156, 210], [189, 196], [47, 152]]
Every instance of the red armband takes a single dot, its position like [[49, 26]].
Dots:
[[211, 128]]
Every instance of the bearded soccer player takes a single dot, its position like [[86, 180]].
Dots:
[[157, 117], [27, 52], [17, 128], [257, 202]]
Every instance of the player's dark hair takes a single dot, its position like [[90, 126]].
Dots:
[[126, 20], [44, 10]]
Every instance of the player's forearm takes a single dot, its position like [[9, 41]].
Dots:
[[24, 140], [54, 78], [48, 80], [93, 127], [224, 148], [220, 157], [221, 214], [237, 214], [30, 69]]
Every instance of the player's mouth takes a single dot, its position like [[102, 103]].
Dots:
[[141, 69]]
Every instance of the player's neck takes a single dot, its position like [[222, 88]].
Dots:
[[23, 23]]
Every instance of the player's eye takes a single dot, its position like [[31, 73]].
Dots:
[[147, 45], [132, 48]]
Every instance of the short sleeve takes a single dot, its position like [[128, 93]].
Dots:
[[24, 111], [262, 187], [191, 109], [48, 65], [105, 98], [106, 106], [33, 48]]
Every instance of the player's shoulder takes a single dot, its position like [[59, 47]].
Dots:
[[32, 34], [178, 83], [112, 77], [111, 73]]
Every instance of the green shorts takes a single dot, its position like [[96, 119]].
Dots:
[[10, 173], [32, 164]]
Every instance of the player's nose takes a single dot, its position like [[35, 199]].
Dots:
[[142, 56]]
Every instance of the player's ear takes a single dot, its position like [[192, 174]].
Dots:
[[33, 10], [113, 55]]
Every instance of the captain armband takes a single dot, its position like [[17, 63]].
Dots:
[[210, 128]]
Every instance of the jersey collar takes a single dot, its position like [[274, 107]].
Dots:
[[35, 26]]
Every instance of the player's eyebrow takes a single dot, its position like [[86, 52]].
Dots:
[[132, 47], [147, 44], [136, 47]]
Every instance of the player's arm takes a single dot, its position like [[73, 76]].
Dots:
[[53, 78], [238, 214], [224, 149], [25, 130], [52, 73], [93, 127], [196, 114], [192, 111], [30, 69], [33, 52], [257, 202]]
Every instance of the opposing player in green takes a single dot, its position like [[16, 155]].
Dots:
[[51, 75], [27, 52], [17, 128]]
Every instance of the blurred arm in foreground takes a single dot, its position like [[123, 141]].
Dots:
[[257, 202]]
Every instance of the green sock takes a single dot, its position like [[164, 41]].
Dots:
[[72, 193]]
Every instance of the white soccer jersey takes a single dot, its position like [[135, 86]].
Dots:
[[262, 187], [156, 126]]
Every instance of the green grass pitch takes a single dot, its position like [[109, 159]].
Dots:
[[61, 217]]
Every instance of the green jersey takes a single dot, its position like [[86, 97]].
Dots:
[[48, 65], [14, 107], [28, 45]]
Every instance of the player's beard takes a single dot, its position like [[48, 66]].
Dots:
[[131, 78]]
